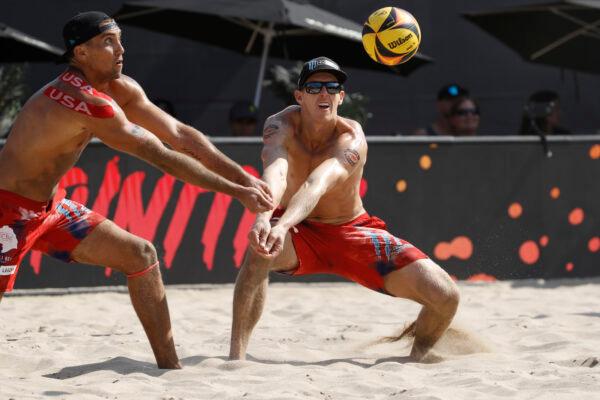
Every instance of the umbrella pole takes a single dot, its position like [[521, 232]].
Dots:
[[267, 36]]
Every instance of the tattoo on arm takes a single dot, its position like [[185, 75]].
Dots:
[[136, 130], [352, 156], [270, 130]]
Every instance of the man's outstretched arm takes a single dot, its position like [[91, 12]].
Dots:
[[275, 165], [121, 134], [184, 138]]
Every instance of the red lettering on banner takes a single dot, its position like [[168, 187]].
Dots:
[[111, 183], [213, 226], [78, 178], [179, 221], [35, 260], [240, 239], [130, 213]]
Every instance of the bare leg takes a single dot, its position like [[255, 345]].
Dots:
[[1, 295], [248, 302], [426, 283], [109, 245], [150, 303], [250, 294]]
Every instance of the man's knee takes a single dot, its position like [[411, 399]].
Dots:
[[254, 268], [255, 261], [435, 287], [447, 297], [142, 255]]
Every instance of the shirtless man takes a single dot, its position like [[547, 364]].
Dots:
[[93, 99], [313, 161]]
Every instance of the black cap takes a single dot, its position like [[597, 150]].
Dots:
[[84, 26], [243, 110], [452, 91], [321, 64]]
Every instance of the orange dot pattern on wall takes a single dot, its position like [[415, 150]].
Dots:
[[481, 278], [555, 193], [594, 244], [569, 266], [515, 210], [401, 185], [460, 247], [529, 252], [595, 152], [544, 241], [576, 216], [425, 162]]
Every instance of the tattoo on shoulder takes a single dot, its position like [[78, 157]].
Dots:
[[352, 156], [270, 130]]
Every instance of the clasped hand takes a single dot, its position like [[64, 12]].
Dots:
[[267, 241]]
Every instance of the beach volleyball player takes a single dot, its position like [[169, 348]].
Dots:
[[313, 162], [93, 99]]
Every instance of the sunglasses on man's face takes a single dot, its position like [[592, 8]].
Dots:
[[315, 87], [463, 112]]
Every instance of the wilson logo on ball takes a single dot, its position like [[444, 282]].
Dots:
[[399, 42], [391, 36]]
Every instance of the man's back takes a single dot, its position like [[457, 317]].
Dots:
[[342, 202]]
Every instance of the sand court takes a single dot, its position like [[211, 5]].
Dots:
[[520, 339]]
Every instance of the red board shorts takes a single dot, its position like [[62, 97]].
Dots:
[[361, 250], [54, 227]]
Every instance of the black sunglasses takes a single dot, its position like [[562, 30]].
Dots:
[[463, 112], [315, 87]]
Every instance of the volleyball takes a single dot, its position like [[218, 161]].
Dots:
[[391, 36]]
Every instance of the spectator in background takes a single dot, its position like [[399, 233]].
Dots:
[[165, 105], [445, 98], [463, 117], [541, 115], [243, 117]]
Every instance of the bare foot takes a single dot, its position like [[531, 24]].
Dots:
[[168, 364]]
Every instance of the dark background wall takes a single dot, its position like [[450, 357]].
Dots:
[[204, 81], [482, 210]]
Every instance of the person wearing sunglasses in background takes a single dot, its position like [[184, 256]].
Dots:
[[313, 162], [463, 117], [445, 98]]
